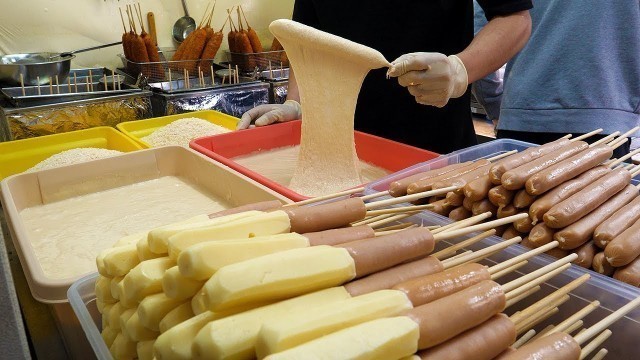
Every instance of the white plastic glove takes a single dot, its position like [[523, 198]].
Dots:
[[432, 78], [268, 114]]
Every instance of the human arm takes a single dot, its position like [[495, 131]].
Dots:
[[434, 78]]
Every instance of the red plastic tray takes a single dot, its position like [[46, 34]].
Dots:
[[389, 155]]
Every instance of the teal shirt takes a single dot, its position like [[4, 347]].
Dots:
[[579, 71]]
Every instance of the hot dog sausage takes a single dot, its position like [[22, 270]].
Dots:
[[425, 185], [386, 279], [523, 225], [582, 230], [399, 187], [467, 203], [523, 157], [505, 211], [459, 213], [478, 189], [515, 179], [429, 288], [383, 252], [483, 206], [438, 322], [340, 236], [522, 199], [580, 204], [601, 266], [629, 273], [563, 191], [501, 229], [557, 253], [541, 234], [441, 207], [526, 243], [305, 219], [555, 346], [259, 206], [617, 223], [565, 170], [510, 233], [462, 180], [454, 199], [483, 342], [625, 247], [499, 196], [585, 253]]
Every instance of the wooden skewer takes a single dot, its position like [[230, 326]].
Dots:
[[627, 134], [90, 81], [623, 158], [457, 256], [230, 73], [75, 82], [617, 144], [538, 281], [270, 70], [527, 255], [629, 167], [635, 171], [326, 197], [170, 85], [584, 136], [575, 326], [474, 256], [452, 249], [399, 210], [400, 226], [69, 84], [600, 354], [480, 227], [388, 232], [533, 277], [595, 343], [393, 218], [237, 75], [224, 79], [213, 80], [522, 296], [508, 270], [57, 84], [605, 139], [543, 303], [579, 315], [503, 155], [540, 317], [606, 322], [371, 219], [374, 195], [50, 86], [568, 136], [412, 197], [524, 339], [463, 223], [24, 93], [106, 84], [118, 81]]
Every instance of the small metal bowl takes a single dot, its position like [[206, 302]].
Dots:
[[110, 79], [34, 66]]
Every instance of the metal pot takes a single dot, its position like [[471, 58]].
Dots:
[[32, 66], [45, 65]]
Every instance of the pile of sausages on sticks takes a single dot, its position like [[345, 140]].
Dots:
[[572, 191], [395, 296], [139, 48]]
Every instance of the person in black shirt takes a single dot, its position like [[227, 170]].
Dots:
[[437, 57]]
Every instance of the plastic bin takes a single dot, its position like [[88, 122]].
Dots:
[[141, 128], [32, 189], [387, 154], [612, 295], [19, 155]]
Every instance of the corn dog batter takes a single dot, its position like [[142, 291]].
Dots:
[[68, 235], [329, 73]]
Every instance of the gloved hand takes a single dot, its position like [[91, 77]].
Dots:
[[432, 78], [267, 114]]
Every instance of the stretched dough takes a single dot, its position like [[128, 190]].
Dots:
[[329, 72]]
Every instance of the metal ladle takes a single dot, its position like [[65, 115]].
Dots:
[[183, 26]]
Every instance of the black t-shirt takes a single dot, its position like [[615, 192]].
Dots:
[[395, 28]]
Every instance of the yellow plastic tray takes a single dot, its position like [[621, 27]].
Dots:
[[140, 128], [19, 155]]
